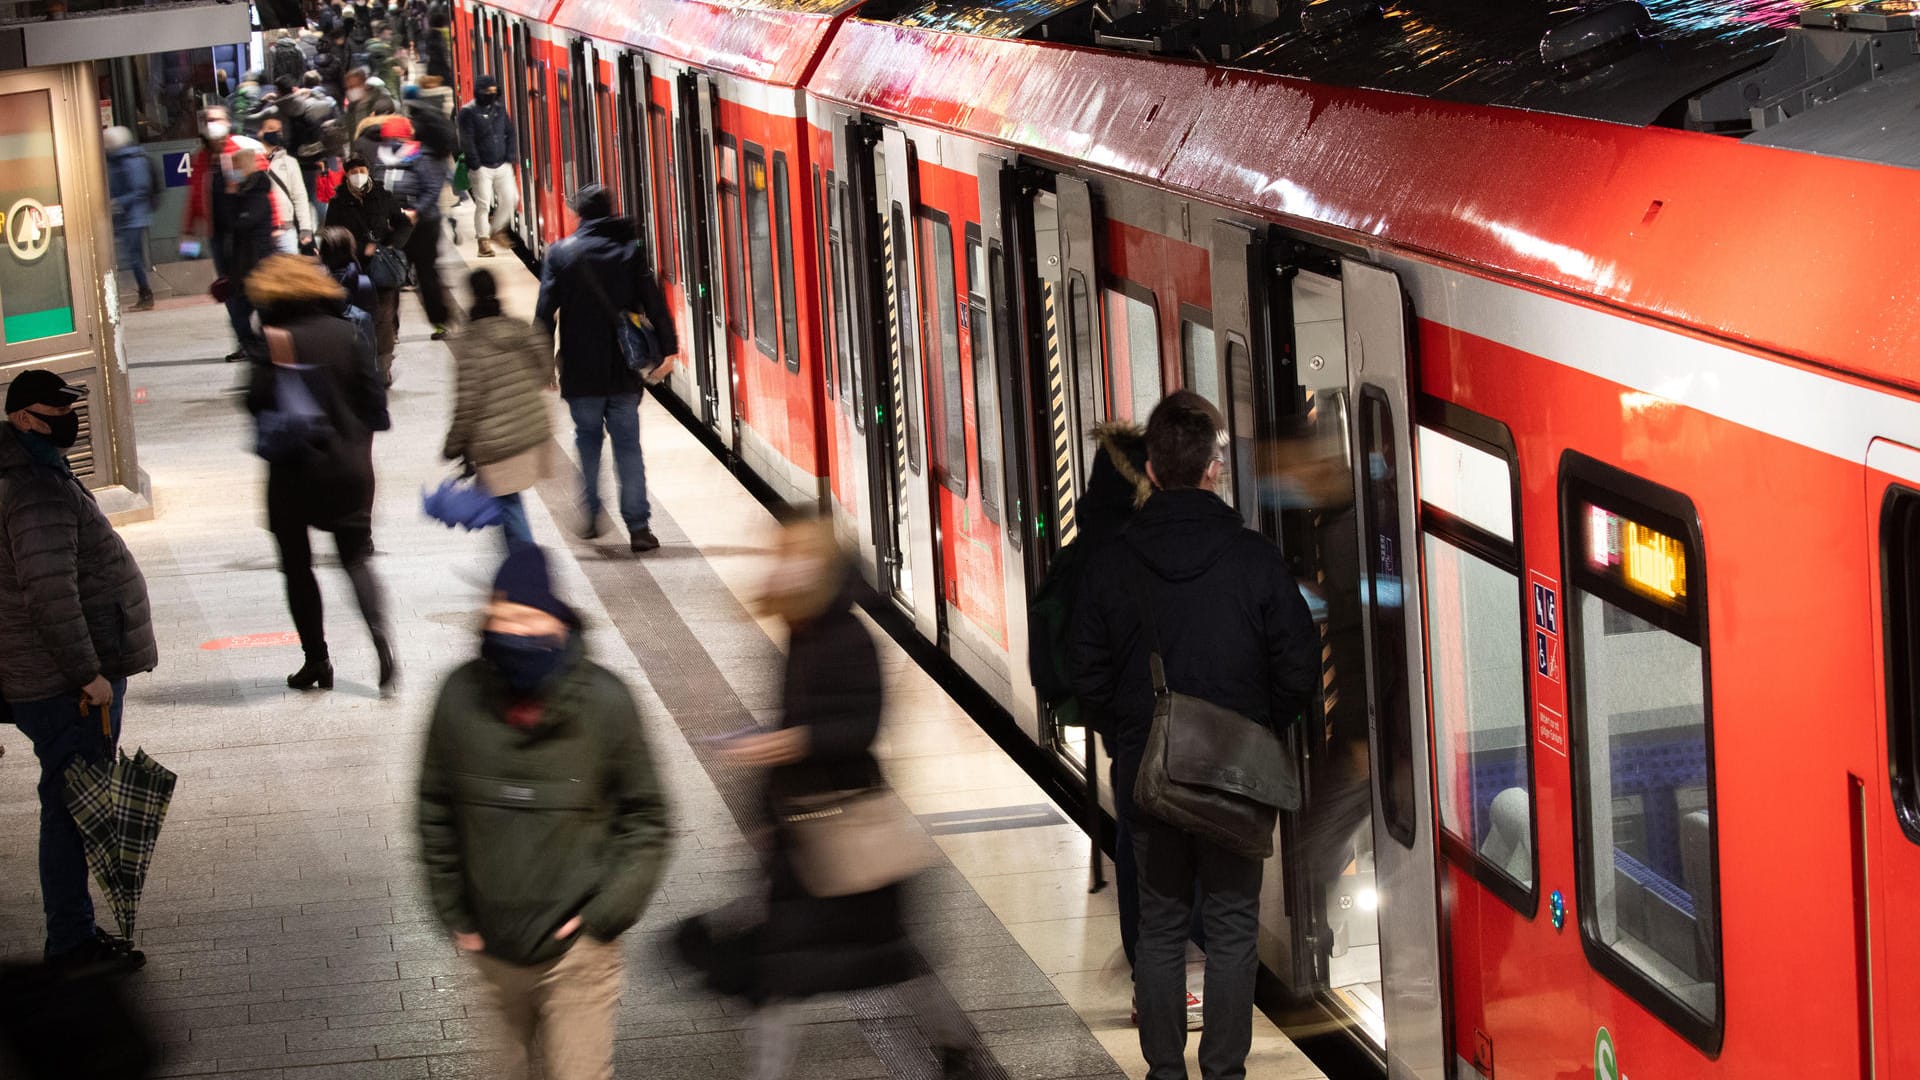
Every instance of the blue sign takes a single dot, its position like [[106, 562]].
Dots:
[[1546, 614], [177, 167]]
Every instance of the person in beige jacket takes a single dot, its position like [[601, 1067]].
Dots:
[[500, 423]]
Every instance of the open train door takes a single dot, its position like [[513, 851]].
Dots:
[[1405, 870], [712, 360], [852, 249]]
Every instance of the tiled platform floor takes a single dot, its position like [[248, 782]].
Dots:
[[284, 920]]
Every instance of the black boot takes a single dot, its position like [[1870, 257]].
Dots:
[[389, 669], [317, 671]]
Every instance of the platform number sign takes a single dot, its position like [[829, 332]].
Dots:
[[177, 167]]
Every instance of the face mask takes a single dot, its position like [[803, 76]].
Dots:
[[271, 138], [526, 663], [489, 98], [356, 93], [62, 431], [359, 181], [217, 130], [235, 176]]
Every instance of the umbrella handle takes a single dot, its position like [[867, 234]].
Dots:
[[106, 724]]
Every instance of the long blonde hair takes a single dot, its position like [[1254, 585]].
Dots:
[[808, 573]]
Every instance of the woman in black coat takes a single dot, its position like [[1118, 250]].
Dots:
[[831, 711], [330, 488]]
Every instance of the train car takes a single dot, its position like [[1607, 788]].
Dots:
[[1554, 362]]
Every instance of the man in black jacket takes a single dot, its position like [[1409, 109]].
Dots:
[[1214, 598], [487, 141], [74, 623], [368, 210], [585, 283]]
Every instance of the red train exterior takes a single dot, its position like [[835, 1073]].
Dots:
[[1629, 416]]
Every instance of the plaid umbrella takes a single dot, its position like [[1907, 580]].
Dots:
[[119, 807]]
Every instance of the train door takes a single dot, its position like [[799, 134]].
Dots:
[[910, 554], [1887, 825], [859, 326], [529, 102], [713, 363], [636, 147]]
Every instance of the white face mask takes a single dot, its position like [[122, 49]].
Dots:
[[359, 181], [217, 129], [356, 93]]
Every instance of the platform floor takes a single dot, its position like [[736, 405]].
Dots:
[[284, 921]]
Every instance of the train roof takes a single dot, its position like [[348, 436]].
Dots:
[[773, 41], [1731, 239]]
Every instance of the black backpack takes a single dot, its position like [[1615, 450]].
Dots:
[[286, 59]]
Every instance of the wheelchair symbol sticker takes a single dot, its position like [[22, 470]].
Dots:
[[29, 230]]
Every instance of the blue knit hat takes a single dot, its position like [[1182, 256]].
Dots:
[[523, 579]]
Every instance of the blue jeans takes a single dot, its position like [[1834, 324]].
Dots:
[[619, 416], [133, 251], [513, 522], [60, 733]]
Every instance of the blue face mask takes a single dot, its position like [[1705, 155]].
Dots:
[[526, 663]]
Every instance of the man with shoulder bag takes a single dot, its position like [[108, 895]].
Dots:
[[1193, 637]]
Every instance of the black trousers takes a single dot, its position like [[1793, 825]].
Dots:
[[423, 251], [1171, 863], [355, 546]]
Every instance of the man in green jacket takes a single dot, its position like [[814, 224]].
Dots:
[[543, 827]]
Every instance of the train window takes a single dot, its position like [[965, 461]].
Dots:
[[986, 383], [1478, 667], [1641, 743], [852, 369], [760, 251], [940, 305], [664, 218], [736, 268], [1900, 597], [1200, 369], [1133, 351], [783, 244], [910, 388], [823, 273], [1085, 366], [1385, 577], [1002, 351], [563, 86]]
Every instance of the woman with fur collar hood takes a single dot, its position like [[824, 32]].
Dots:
[[310, 339]]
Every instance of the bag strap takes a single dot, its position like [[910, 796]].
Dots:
[[1143, 602], [618, 311]]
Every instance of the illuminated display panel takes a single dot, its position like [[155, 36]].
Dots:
[[1637, 557]]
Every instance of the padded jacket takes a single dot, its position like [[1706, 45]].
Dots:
[[73, 604], [486, 132], [502, 367], [522, 828], [600, 252]]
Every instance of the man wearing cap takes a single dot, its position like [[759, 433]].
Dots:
[[543, 828], [584, 281], [74, 625]]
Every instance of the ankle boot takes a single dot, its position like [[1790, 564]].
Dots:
[[317, 671], [146, 301], [389, 668]]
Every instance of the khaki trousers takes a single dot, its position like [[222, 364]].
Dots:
[[568, 1003]]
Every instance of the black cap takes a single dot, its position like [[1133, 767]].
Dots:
[[40, 387]]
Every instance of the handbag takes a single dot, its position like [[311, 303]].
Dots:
[[1208, 770], [639, 345], [387, 268], [850, 842]]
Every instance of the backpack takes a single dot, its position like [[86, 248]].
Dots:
[[286, 59], [1049, 622], [295, 429]]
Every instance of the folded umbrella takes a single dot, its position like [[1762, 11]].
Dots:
[[460, 502], [119, 807]]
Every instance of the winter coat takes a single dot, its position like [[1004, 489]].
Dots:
[[521, 829], [73, 605], [289, 192], [433, 127], [243, 226], [358, 111], [130, 185], [373, 216], [590, 361], [207, 187], [486, 131], [439, 56], [336, 491], [420, 184], [1231, 624], [502, 366], [814, 945]]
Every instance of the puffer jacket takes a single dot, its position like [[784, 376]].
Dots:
[[502, 366], [130, 184], [486, 133], [522, 828], [73, 604]]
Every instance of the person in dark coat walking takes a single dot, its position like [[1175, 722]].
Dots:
[[488, 140], [333, 490], [583, 278], [1215, 599], [831, 708], [130, 185], [419, 190], [74, 624], [243, 229], [368, 210]]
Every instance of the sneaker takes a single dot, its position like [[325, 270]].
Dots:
[[439, 334], [104, 954], [1195, 1012], [145, 304], [236, 355], [486, 249], [643, 540]]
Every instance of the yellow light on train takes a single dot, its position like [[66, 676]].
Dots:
[[1643, 559]]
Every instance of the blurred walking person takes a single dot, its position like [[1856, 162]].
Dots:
[[74, 624], [488, 141], [586, 281], [370, 212], [293, 223], [206, 221], [243, 233], [330, 488], [500, 423], [418, 190], [543, 827], [130, 185], [818, 938]]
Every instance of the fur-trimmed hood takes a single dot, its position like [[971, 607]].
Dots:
[[1117, 482], [283, 281]]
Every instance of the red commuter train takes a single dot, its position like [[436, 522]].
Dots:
[[1603, 321]]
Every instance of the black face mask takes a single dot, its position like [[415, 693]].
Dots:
[[62, 431], [271, 138], [526, 663]]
